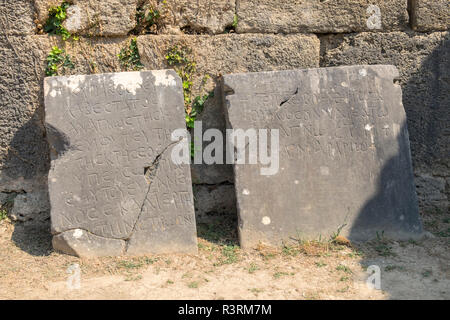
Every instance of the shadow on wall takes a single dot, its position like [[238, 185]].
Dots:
[[28, 159], [380, 215], [426, 99]]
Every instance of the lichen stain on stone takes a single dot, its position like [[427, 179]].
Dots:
[[163, 78], [130, 81]]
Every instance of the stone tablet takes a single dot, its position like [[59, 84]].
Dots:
[[344, 156], [113, 187]]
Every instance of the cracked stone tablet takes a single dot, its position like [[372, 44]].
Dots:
[[113, 187], [344, 157]]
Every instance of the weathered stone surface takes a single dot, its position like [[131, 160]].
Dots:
[[222, 54], [214, 200], [31, 206], [344, 155], [431, 191], [202, 16], [23, 149], [99, 17], [274, 16], [430, 15], [111, 173], [424, 64], [16, 17]]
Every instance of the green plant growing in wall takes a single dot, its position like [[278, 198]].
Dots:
[[54, 23], [146, 18], [57, 59], [235, 21], [129, 57], [196, 108]]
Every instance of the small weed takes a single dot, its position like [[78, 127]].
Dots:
[[345, 278], [235, 21], [444, 233], [343, 268], [57, 60], [129, 264], [253, 267], [193, 285], [54, 23], [180, 58], [230, 254], [148, 260], [147, 17], [256, 290], [320, 264], [131, 277], [278, 275], [129, 57], [169, 282], [290, 251], [3, 214], [336, 234], [197, 108]]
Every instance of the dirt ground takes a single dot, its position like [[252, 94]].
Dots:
[[30, 269]]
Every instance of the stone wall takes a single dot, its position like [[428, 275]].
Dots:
[[223, 36]]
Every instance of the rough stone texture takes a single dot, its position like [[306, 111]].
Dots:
[[16, 17], [333, 16], [111, 174], [222, 54], [204, 16], [344, 155], [214, 200], [94, 17], [23, 150], [31, 206], [431, 191], [424, 65], [430, 15]]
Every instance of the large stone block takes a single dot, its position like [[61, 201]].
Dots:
[[344, 158], [99, 17], [221, 54], [424, 63], [176, 16], [430, 15], [16, 17], [113, 186], [274, 16]]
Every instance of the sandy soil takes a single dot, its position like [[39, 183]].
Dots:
[[30, 269]]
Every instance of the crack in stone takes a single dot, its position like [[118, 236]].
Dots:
[[150, 172], [89, 232]]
